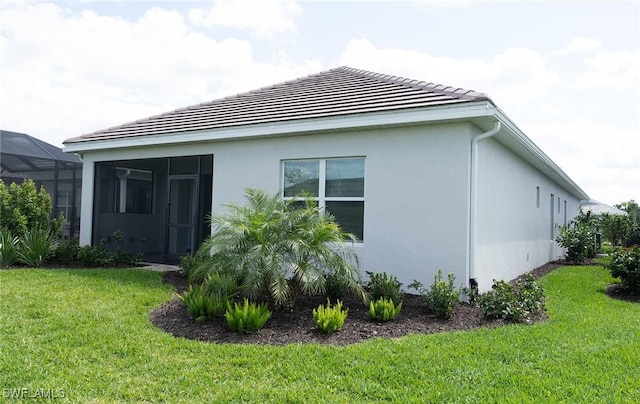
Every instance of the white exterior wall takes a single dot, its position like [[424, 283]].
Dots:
[[513, 232], [416, 189]]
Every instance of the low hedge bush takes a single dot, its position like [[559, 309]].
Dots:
[[442, 297], [513, 303], [383, 285], [625, 265]]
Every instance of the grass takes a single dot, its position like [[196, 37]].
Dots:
[[85, 335]]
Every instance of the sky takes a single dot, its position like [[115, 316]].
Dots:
[[566, 72]]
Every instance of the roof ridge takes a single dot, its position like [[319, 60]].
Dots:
[[308, 87], [205, 103], [457, 92]]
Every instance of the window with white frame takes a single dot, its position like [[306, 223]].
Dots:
[[337, 184]]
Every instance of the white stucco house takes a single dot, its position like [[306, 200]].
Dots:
[[427, 176]]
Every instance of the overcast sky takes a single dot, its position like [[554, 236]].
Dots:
[[567, 73]]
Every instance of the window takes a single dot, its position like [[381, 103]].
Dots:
[[337, 184], [537, 197], [125, 190]]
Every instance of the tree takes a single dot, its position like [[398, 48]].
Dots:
[[23, 207], [616, 228], [274, 247], [579, 237], [633, 212]]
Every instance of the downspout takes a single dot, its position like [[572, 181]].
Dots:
[[473, 199]]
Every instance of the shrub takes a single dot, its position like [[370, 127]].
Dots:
[[35, 246], [247, 318], [336, 286], [66, 251], [100, 256], [511, 303], [382, 285], [8, 248], [625, 265], [442, 297], [95, 256], [329, 319], [220, 287], [122, 257], [201, 305], [530, 294], [383, 309], [23, 207], [188, 266], [579, 238]]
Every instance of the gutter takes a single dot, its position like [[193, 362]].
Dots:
[[473, 199]]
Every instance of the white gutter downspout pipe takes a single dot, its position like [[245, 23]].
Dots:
[[473, 202]]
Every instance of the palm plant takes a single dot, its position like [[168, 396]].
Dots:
[[271, 246]]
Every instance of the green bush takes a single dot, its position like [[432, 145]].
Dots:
[[247, 318], [35, 246], [579, 238], [382, 285], [442, 297], [95, 256], [188, 266], [383, 309], [625, 265], [66, 251], [220, 287], [23, 207], [329, 319], [100, 256], [336, 286], [513, 303], [200, 304], [8, 248]]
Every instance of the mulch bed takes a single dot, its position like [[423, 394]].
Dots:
[[296, 326]]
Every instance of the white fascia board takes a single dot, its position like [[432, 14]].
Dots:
[[539, 159], [413, 116]]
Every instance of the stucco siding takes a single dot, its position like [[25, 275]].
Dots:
[[415, 190], [515, 231]]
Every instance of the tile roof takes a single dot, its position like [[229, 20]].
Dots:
[[336, 92]]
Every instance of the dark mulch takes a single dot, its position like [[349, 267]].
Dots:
[[616, 291], [296, 326]]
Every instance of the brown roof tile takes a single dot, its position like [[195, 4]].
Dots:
[[336, 92]]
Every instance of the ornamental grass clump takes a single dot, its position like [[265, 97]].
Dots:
[[200, 305], [210, 298], [8, 248], [248, 317], [329, 319], [35, 246], [383, 310]]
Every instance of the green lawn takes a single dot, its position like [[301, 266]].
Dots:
[[85, 334]]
